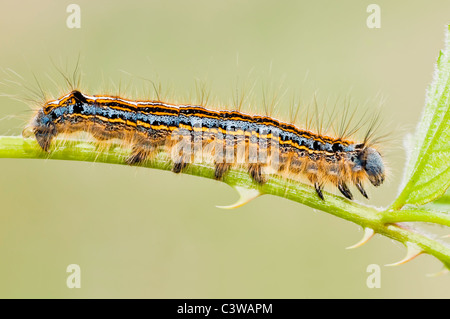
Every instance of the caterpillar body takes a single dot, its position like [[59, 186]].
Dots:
[[260, 144]]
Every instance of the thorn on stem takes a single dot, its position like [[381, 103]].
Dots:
[[412, 251], [439, 273], [368, 234], [245, 196]]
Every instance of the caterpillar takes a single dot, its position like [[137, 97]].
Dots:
[[262, 145]]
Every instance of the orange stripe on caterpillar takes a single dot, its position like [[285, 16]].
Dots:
[[260, 144]]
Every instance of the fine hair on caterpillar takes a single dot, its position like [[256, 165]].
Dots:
[[318, 152], [262, 145]]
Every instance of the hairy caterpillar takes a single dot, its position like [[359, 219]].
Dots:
[[260, 144]]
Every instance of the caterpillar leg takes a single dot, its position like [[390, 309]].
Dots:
[[178, 167], [139, 154], [319, 188], [255, 171], [361, 189], [144, 148], [312, 171], [220, 170], [344, 190]]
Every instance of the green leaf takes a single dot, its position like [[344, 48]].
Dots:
[[442, 203], [428, 169]]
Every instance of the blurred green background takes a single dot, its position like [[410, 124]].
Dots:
[[141, 233]]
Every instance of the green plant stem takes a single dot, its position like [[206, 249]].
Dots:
[[416, 215], [385, 223]]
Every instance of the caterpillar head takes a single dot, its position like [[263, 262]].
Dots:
[[43, 124], [372, 163]]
